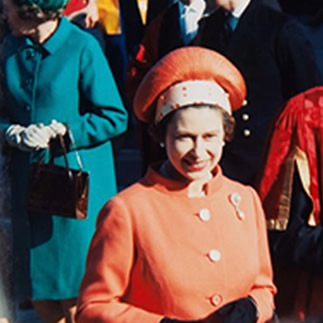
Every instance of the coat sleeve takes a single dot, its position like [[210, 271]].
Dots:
[[296, 60], [300, 245], [263, 290], [103, 116], [4, 120], [108, 270]]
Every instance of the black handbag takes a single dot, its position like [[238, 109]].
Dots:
[[58, 190]]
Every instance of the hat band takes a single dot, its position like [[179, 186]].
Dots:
[[191, 93]]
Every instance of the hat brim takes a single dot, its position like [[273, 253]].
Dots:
[[188, 63]]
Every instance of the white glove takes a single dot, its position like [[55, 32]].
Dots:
[[13, 137], [57, 128], [36, 136]]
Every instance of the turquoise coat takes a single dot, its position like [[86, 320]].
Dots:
[[67, 79]]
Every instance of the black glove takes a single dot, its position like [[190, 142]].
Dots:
[[243, 310], [168, 320]]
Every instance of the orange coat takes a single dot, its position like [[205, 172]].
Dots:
[[158, 253]]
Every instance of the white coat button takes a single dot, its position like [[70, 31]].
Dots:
[[216, 300], [214, 255], [245, 116], [205, 215], [246, 132]]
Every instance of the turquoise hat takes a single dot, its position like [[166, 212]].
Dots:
[[44, 4]]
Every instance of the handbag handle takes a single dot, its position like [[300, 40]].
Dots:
[[78, 157], [67, 167]]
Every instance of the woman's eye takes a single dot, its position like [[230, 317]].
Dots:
[[210, 136], [182, 137]]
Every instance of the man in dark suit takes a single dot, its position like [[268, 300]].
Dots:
[[277, 62], [173, 28], [165, 33]]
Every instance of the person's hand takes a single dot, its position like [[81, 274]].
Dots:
[[13, 137], [168, 320], [36, 136], [243, 310], [57, 128], [92, 14], [13, 134]]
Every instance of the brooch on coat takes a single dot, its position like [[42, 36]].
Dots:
[[235, 199]]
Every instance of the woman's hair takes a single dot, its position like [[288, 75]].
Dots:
[[36, 13], [158, 131]]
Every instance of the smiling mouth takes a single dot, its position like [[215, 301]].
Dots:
[[196, 166]]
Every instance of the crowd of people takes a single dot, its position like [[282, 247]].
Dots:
[[225, 97]]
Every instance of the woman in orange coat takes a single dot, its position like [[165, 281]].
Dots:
[[185, 243]]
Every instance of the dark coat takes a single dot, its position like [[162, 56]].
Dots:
[[161, 37], [277, 62]]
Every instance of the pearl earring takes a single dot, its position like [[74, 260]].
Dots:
[[162, 145]]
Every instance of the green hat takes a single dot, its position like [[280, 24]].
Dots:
[[44, 4]]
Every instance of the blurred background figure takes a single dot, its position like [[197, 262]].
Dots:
[[314, 28], [40, 98], [277, 61], [156, 7], [84, 13], [6, 297], [7, 304], [174, 27], [310, 15], [291, 190]]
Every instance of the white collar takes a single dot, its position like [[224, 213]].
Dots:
[[239, 10], [197, 5]]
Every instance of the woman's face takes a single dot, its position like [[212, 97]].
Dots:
[[18, 26], [194, 141]]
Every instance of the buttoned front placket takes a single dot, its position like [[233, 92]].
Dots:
[[29, 61], [31, 57], [214, 256]]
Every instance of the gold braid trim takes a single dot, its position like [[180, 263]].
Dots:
[[305, 176], [299, 157]]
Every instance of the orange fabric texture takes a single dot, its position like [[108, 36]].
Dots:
[[150, 256], [188, 63]]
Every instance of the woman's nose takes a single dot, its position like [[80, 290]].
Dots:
[[199, 149]]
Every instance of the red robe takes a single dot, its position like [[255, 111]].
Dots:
[[296, 144]]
